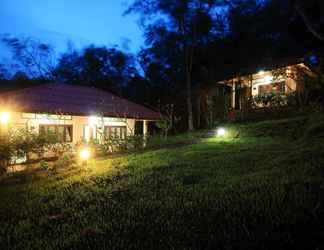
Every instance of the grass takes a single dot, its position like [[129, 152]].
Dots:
[[262, 189]]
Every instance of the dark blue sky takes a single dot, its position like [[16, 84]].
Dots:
[[99, 22]]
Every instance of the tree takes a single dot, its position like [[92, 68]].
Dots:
[[97, 66], [184, 19], [312, 23], [35, 58], [4, 74]]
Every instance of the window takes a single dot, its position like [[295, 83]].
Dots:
[[276, 88], [116, 132], [89, 133], [64, 132]]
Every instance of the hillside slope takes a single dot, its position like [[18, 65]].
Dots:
[[262, 189]]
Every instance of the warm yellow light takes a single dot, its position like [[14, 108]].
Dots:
[[85, 154], [221, 132], [4, 117]]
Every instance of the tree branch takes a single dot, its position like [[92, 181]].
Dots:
[[307, 22]]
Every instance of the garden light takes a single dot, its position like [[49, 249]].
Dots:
[[221, 132], [85, 154], [4, 117]]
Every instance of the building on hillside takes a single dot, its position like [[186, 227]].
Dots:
[[74, 113], [281, 80]]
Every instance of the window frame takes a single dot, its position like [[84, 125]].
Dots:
[[108, 131], [45, 128], [281, 91]]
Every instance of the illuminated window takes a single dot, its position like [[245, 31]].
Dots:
[[276, 88], [89, 132], [64, 132], [115, 132]]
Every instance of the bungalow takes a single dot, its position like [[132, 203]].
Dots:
[[279, 79], [75, 113]]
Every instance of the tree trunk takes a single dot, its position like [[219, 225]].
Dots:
[[189, 103], [199, 110]]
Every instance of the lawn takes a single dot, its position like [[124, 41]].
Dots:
[[260, 187]]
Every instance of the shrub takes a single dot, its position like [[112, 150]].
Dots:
[[63, 162], [116, 144], [25, 142], [44, 165], [271, 100], [21, 143], [6, 154]]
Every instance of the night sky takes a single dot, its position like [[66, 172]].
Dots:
[[83, 22]]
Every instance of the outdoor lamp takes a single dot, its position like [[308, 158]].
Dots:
[[85, 154], [221, 132], [4, 117]]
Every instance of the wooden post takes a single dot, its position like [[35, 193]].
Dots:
[[233, 94], [145, 132], [145, 128]]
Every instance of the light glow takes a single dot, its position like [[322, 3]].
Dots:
[[4, 117], [268, 78], [93, 121], [261, 72], [221, 132], [85, 154]]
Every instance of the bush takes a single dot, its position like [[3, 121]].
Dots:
[[271, 100], [116, 144], [22, 143], [44, 165], [6, 154], [62, 162]]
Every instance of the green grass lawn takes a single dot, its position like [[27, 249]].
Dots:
[[261, 190]]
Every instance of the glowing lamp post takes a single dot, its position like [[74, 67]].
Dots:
[[85, 155], [221, 132]]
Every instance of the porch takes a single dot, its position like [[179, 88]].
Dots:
[[245, 90]]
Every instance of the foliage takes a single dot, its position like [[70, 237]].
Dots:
[[271, 100], [6, 154], [97, 66], [168, 119], [23, 143], [44, 165], [187, 25], [106, 146], [64, 161], [37, 59]]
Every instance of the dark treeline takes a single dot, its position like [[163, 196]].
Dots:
[[190, 45]]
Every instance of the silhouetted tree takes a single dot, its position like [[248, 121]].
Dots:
[[35, 58], [190, 21], [97, 66], [311, 12]]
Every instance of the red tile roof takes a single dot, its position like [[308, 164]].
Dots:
[[74, 100]]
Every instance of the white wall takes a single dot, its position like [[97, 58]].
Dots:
[[32, 121]]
